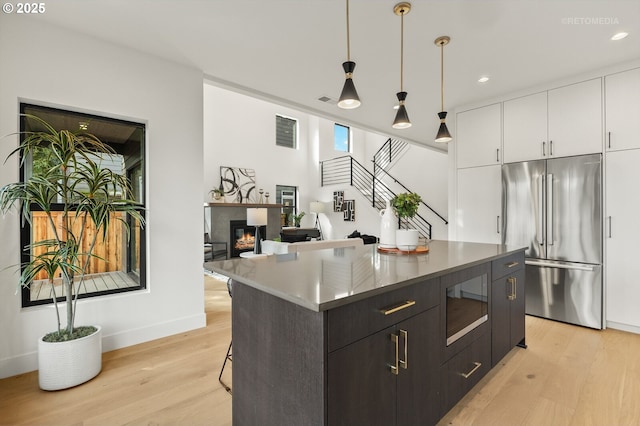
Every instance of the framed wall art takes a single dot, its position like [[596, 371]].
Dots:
[[349, 210], [238, 183]]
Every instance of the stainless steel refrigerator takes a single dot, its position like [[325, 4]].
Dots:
[[554, 207]]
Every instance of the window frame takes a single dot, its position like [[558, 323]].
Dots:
[[138, 165], [336, 126], [294, 134]]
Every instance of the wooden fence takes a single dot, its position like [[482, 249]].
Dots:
[[110, 249]]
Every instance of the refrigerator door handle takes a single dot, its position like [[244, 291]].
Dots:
[[550, 238], [540, 224], [558, 265]]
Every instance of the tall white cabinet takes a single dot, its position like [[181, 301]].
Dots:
[[478, 176], [622, 234], [622, 174]]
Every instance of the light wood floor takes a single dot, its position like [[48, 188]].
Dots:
[[568, 376]]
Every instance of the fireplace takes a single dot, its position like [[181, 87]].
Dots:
[[242, 237]]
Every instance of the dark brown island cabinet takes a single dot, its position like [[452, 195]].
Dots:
[[391, 345]]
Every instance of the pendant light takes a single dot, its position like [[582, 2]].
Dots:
[[349, 98], [402, 119], [443, 133]]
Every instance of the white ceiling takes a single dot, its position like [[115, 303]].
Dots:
[[291, 51]]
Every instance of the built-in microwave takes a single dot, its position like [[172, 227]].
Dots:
[[467, 306]]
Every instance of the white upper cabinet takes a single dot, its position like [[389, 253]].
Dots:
[[525, 128], [556, 123], [478, 136], [622, 112], [575, 119]]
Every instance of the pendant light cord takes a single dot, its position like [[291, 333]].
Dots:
[[441, 76], [401, 50], [348, 36]]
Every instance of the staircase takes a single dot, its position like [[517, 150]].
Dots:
[[347, 170]]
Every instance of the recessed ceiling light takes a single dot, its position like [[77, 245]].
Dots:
[[619, 36], [483, 79]]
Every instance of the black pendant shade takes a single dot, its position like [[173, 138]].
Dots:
[[402, 118], [443, 133], [349, 98]]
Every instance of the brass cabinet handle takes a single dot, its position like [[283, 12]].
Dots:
[[394, 368], [512, 264], [513, 281], [404, 362], [393, 309], [473, 370]]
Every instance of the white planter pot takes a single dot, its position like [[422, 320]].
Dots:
[[62, 365], [407, 239]]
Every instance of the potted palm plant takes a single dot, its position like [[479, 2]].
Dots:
[[405, 206], [296, 218], [80, 200]]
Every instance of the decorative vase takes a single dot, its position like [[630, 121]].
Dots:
[[407, 239], [388, 227], [62, 365]]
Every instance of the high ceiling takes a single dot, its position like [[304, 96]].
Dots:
[[291, 51]]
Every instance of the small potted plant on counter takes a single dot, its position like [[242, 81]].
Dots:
[[405, 205]]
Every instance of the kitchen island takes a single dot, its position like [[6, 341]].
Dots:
[[353, 336]]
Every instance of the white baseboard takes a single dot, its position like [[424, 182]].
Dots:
[[29, 362], [623, 327]]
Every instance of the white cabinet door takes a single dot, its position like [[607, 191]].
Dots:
[[622, 233], [525, 128], [478, 136], [622, 110], [479, 204], [575, 119]]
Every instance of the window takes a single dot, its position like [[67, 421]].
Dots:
[[286, 132], [341, 138], [287, 196], [121, 266]]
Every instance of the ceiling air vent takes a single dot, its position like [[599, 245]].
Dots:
[[327, 100]]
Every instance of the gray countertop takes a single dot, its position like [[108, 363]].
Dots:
[[325, 279]]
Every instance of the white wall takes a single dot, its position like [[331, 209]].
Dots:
[[53, 66], [239, 131]]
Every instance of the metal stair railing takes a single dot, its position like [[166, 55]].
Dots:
[[347, 170], [446, 222], [389, 151]]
